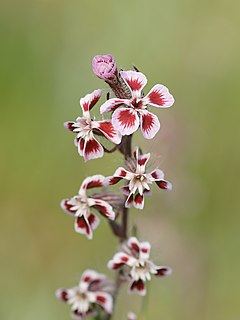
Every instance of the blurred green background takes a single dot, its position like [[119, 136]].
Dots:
[[192, 47]]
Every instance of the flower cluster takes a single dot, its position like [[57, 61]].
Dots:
[[129, 111]]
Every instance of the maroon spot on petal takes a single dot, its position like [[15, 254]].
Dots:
[[69, 125], [139, 285], [94, 101], [87, 279], [138, 198], [91, 219], [162, 272], [117, 266], [102, 209], [142, 161], [85, 106], [135, 247], [144, 250], [101, 299], [114, 180], [94, 184], [78, 313], [127, 118], [67, 206], [154, 175], [123, 173], [108, 128], [124, 259], [134, 84], [147, 122], [92, 146], [63, 295], [81, 144], [162, 184], [130, 200], [82, 224], [156, 97]]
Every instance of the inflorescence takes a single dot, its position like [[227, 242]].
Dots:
[[96, 294]]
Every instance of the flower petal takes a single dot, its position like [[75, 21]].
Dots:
[[66, 206], [156, 175], [91, 182], [90, 275], [129, 201], [134, 246], [80, 146], [163, 184], [111, 104], [145, 248], [70, 125], [62, 294], [119, 260], [105, 300], [82, 226], [93, 221], [90, 100], [92, 149], [126, 121], [159, 96], [150, 124], [103, 207], [138, 201], [123, 173], [136, 81], [138, 287], [163, 271], [125, 190], [108, 130]]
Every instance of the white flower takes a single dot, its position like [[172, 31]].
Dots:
[[135, 255], [93, 288], [139, 179]]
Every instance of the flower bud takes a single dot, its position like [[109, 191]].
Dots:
[[104, 67]]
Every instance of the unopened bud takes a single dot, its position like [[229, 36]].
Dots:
[[104, 67]]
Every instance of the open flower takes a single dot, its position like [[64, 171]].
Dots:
[[93, 289], [133, 112], [135, 256], [85, 127], [139, 180], [80, 207], [104, 67]]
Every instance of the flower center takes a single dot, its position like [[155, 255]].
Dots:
[[137, 103]]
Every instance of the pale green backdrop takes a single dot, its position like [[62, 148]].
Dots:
[[46, 50]]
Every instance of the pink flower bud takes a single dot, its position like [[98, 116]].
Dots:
[[104, 67]]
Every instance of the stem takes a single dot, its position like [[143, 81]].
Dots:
[[121, 230]]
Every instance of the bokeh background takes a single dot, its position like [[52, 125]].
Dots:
[[46, 51]]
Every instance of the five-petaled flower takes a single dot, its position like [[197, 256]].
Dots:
[[93, 289], [139, 180], [135, 256], [80, 206], [85, 127], [134, 111]]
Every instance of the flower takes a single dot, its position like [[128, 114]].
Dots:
[[139, 180], [85, 127], [131, 316], [79, 206], [93, 289], [134, 111], [135, 255], [104, 67]]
